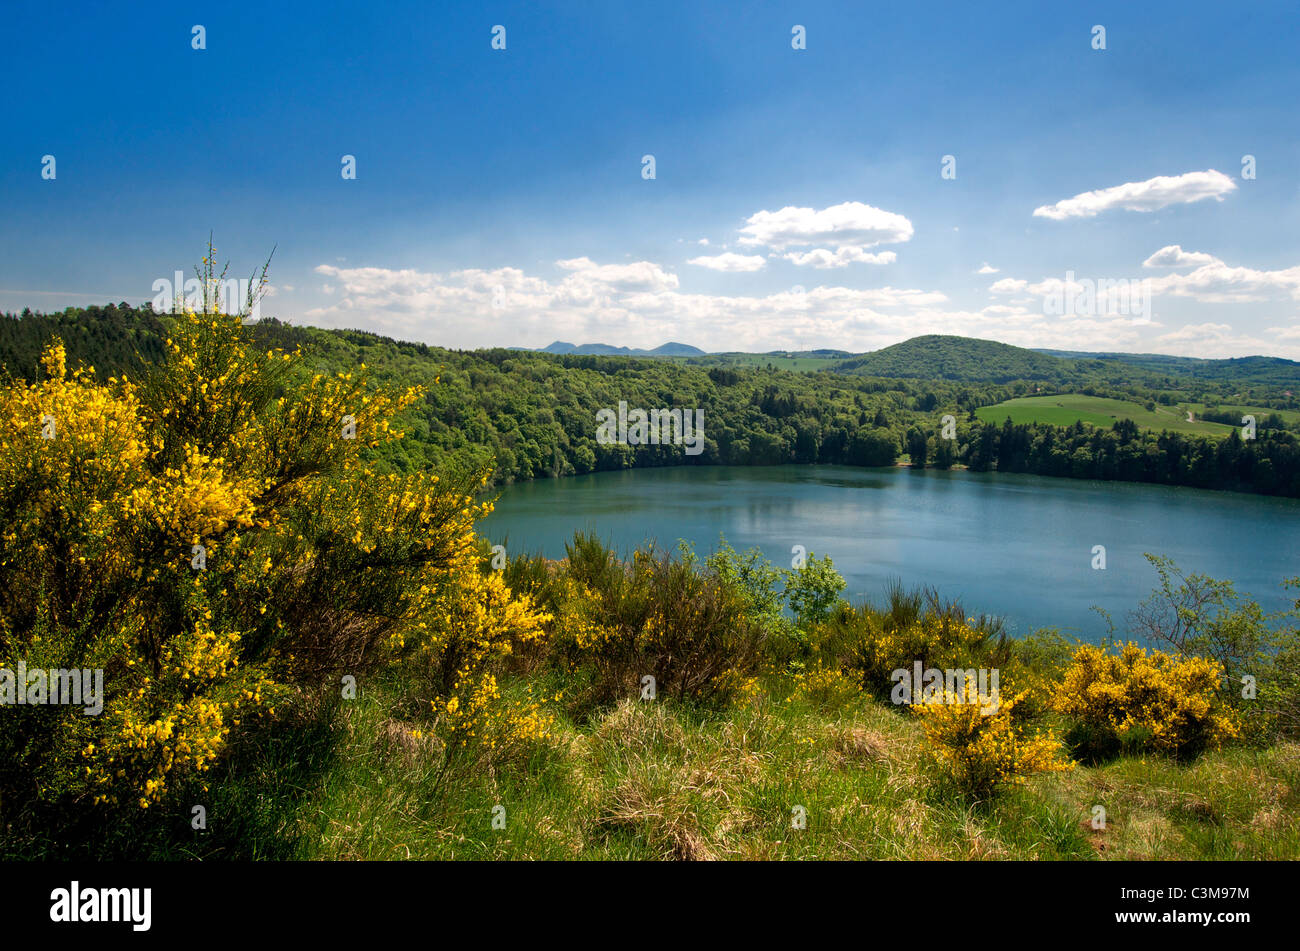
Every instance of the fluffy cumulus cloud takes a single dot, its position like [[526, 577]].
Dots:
[[730, 261], [1150, 195], [1198, 332], [1286, 334], [987, 268], [639, 275], [1219, 283], [1211, 282], [1173, 255], [849, 227], [1112, 299], [824, 258]]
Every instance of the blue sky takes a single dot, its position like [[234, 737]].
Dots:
[[500, 197]]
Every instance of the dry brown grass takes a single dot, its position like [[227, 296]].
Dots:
[[677, 792], [855, 745]]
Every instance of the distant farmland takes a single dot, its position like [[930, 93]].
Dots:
[[1068, 408]]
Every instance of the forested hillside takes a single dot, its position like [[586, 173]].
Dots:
[[535, 413], [1239, 370], [959, 358], [963, 358]]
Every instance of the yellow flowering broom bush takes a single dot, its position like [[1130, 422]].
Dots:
[[980, 752], [939, 642], [215, 538], [825, 688], [1150, 699], [473, 625]]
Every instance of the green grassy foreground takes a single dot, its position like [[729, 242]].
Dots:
[[649, 782], [652, 780]]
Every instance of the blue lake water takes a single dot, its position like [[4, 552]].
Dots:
[[1018, 546]]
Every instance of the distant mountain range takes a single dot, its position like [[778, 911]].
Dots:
[[603, 349], [672, 349]]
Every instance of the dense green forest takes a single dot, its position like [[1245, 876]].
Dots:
[[534, 413]]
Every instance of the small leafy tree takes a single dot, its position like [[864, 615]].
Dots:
[[1197, 615], [756, 580], [1258, 651], [813, 591]]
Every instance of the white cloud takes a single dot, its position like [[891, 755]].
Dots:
[[1211, 283], [1206, 331], [986, 268], [1216, 341], [849, 224], [1173, 255], [730, 261], [1218, 283], [1054, 285], [823, 258], [637, 275], [1150, 195], [1285, 333]]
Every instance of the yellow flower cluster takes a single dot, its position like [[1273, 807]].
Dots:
[[470, 623], [74, 449], [198, 500], [825, 687], [1177, 700], [943, 643], [189, 735], [582, 625], [980, 751], [741, 688]]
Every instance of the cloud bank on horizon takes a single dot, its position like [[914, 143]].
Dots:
[[839, 192], [641, 303]]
